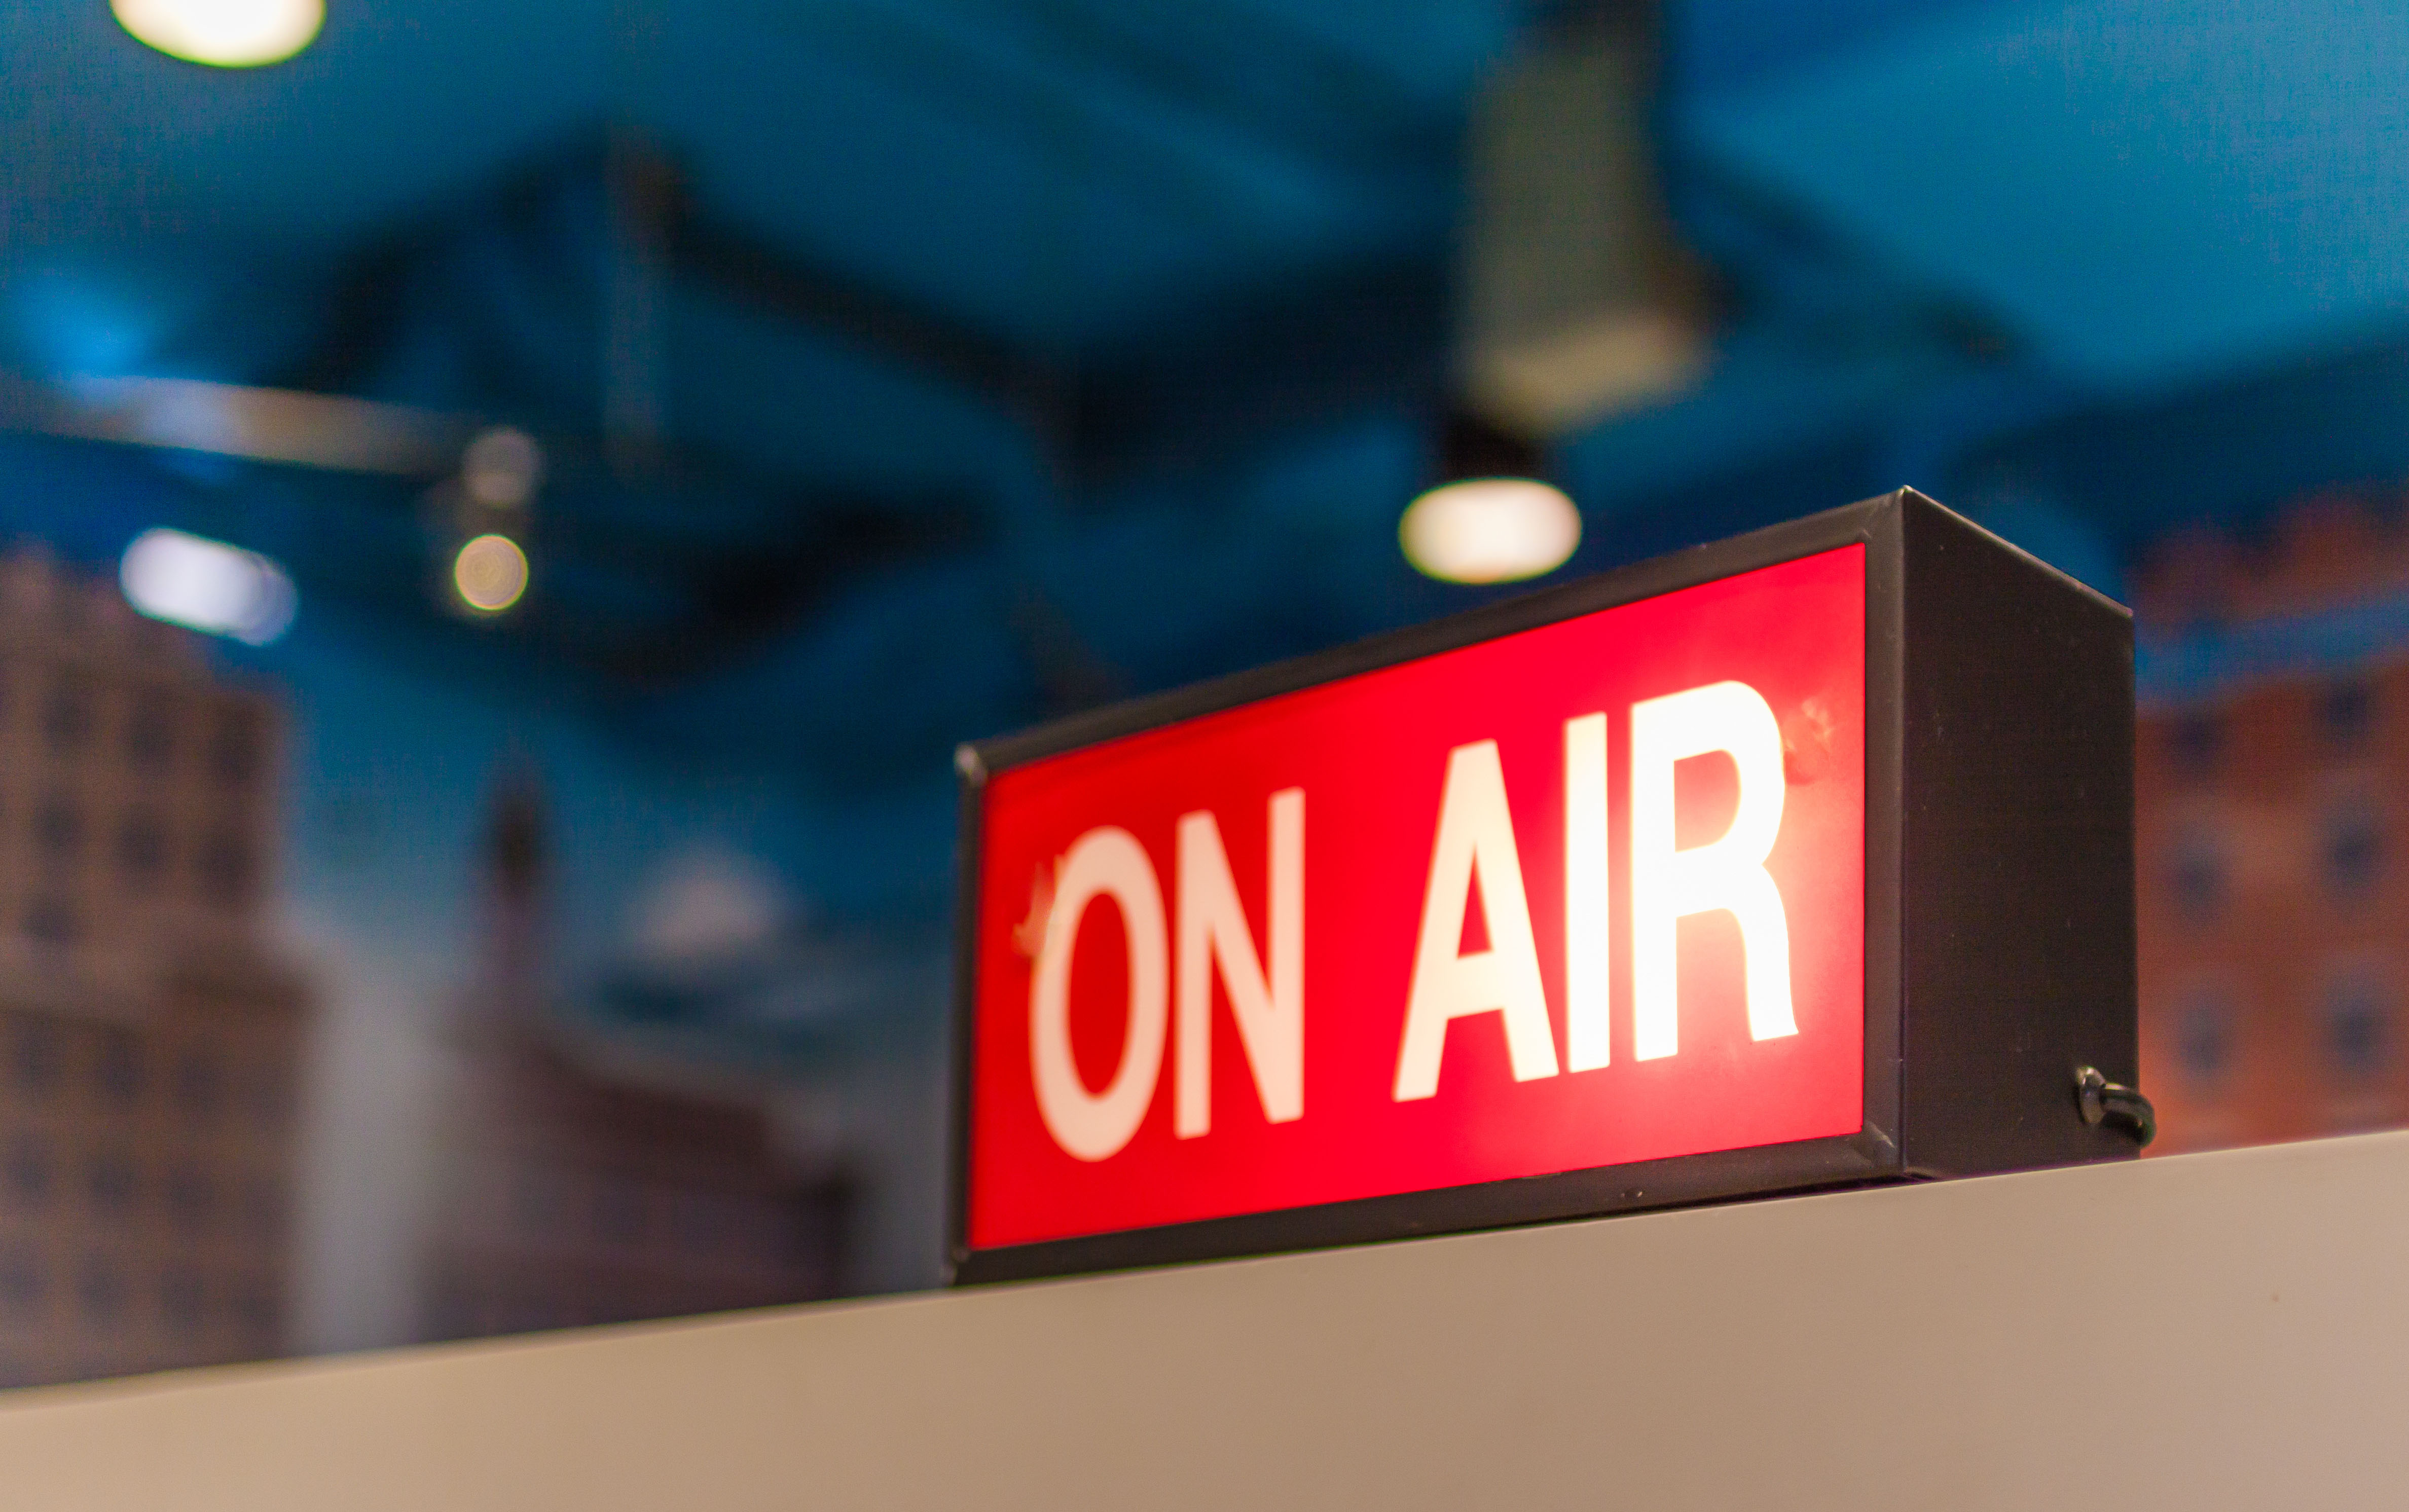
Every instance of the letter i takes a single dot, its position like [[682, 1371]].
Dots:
[[1585, 894]]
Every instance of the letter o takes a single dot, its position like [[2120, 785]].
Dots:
[[1110, 862]]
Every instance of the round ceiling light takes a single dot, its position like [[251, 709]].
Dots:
[[490, 572], [224, 33], [1490, 530]]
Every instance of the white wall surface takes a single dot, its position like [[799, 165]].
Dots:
[[2208, 1331]]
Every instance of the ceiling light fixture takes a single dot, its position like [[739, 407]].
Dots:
[[490, 572], [224, 33], [207, 585], [502, 467], [1490, 530]]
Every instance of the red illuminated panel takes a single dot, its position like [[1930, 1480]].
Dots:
[[1585, 895]]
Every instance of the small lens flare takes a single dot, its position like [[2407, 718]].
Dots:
[[490, 572]]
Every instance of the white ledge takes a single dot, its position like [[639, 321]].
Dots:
[[2211, 1330]]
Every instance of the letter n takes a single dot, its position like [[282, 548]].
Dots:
[[1269, 1006]]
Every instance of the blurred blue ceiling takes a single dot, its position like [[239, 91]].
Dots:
[[978, 359]]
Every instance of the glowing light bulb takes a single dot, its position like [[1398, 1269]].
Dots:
[[1490, 530], [207, 585], [224, 33], [491, 572]]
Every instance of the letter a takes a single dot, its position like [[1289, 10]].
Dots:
[[1476, 832], [1667, 884], [1213, 927]]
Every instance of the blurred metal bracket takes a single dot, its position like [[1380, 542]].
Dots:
[[259, 424]]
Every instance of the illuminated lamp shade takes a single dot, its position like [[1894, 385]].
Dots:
[[1490, 530], [207, 585], [490, 572], [224, 33]]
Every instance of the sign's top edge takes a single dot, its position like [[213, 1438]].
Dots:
[[1932, 508], [976, 762]]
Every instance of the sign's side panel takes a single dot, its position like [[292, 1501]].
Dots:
[[1886, 655], [2019, 888], [970, 824], [1317, 949]]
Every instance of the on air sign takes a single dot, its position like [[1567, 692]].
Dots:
[[1590, 901]]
